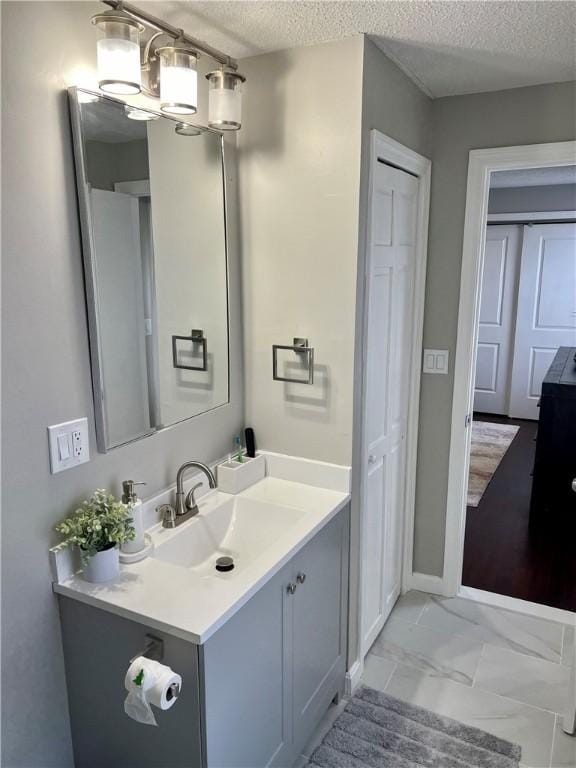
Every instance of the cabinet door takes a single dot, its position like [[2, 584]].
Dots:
[[244, 664], [318, 606]]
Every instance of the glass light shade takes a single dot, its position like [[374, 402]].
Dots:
[[118, 54], [178, 81], [225, 100], [139, 114], [185, 129], [84, 97]]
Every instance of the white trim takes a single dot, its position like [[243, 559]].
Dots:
[[481, 164], [385, 148], [353, 677], [424, 582], [518, 606], [499, 218]]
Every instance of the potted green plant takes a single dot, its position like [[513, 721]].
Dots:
[[98, 527]]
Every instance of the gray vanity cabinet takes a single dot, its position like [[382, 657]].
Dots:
[[272, 670], [252, 694]]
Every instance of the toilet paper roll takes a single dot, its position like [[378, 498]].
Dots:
[[149, 682]]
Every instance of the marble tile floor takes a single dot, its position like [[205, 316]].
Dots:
[[494, 669]]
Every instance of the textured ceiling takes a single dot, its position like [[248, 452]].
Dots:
[[448, 48], [534, 177]]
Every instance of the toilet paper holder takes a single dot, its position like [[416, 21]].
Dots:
[[154, 649]]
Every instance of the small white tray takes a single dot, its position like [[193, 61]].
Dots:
[[235, 476]]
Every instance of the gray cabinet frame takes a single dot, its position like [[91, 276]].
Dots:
[[243, 701]]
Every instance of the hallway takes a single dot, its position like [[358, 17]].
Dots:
[[501, 554]]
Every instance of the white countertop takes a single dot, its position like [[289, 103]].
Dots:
[[183, 603]]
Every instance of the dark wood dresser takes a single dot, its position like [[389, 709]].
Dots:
[[555, 462]]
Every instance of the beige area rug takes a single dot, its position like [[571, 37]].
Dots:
[[489, 444]]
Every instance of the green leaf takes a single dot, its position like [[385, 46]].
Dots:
[[139, 677]]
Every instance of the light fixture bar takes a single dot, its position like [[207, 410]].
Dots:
[[168, 29]]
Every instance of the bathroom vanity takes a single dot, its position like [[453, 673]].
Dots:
[[261, 649]]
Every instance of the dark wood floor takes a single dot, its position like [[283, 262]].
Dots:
[[501, 553]]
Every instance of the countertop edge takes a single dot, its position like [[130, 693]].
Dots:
[[185, 634]]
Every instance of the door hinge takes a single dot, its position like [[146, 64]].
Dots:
[[467, 420]]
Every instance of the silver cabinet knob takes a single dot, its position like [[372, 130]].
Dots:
[[301, 578], [574, 485], [291, 588]]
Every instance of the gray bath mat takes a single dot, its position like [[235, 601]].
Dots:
[[378, 731]]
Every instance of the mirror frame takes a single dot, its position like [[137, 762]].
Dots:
[[85, 216]]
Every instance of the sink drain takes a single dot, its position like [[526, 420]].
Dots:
[[224, 564]]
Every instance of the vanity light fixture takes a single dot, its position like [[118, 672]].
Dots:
[[84, 97], [178, 79], [139, 114], [225, 99], [186, 129], [132, 59], [118, 52]]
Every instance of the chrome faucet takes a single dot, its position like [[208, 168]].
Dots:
[[185, 506]]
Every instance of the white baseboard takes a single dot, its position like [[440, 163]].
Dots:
[[353, 677], [424, 582], [519, 606]]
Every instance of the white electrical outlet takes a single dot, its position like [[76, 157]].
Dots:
[[68, 444]]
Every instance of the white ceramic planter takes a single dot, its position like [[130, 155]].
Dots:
[[103, 566]]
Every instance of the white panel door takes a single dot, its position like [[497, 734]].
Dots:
[[546, 317], [118, 265], [497, 318], [390, 293]]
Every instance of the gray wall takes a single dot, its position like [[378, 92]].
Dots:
[[46, 370], [299, 180], [543, 113], [553, 197], [392, 104]]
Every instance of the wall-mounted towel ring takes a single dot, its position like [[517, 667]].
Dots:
[[301, 348], [196, 337]]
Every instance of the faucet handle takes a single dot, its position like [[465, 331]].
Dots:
[[190, 500], [168, 515]]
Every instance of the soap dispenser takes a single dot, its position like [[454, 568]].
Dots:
[[129, 496]]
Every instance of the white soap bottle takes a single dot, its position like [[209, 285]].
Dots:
[[129, 496]]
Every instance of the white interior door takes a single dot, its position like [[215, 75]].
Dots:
[[118, 263], [390, 294], [497, 318], [546, 316]]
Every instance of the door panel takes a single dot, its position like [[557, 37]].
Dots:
[[497, 318], [546, 316], [390, 301], [120, 294]]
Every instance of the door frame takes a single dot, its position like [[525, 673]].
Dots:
[[383, 147], [482, 162]]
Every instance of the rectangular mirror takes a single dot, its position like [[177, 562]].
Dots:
[[152, 209]]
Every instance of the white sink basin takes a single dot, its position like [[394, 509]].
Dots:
[[232, 526]]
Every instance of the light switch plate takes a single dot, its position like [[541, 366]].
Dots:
[[435, 361], [68, 444]]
